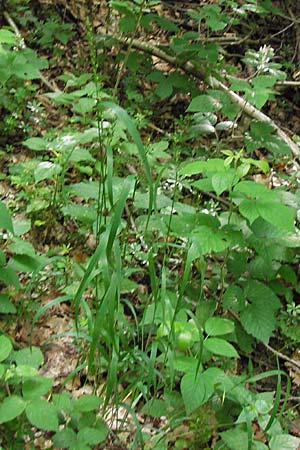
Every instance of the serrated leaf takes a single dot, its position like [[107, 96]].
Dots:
[[42, 414], [220, 347], [258, 320], [11, 407], [193, 391], [5, 347], [216, 326]]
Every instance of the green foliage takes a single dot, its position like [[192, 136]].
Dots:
[[192, 261]]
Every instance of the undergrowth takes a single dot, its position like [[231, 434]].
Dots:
[[161, 216]]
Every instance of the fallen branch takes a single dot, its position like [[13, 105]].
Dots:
[[280, 355], [44, 80], [201, 74]]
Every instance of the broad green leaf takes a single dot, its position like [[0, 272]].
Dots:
[[11, 407], [36, 144], [204, 103], [284, 442], [84, 105], [5, 347], [30, 356], [210, 240], [81, 154], [63, 402], [87, 402], [193, 391], [155, 408], [224, 181], [7, 37], [258, 319], [46, 170], [193, 168], [65, 438], [10, 278], [248, 209], [277, 214], [220, 347], [93, 436], [82, 213], [36, 387], [25, 263], [42, 414], [24, 371], [5, 219], [257, 291], [233, 298], [235, 439], [6, 306], [216, 326]]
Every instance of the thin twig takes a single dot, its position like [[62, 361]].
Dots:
[[17, 32], [280, 355]]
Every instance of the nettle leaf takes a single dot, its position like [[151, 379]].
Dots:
[[261, 136], [204, 104], [216, 326], [193, 391], [258, 317], [234, 298], [11, 407], [220, 347], [255, 290]]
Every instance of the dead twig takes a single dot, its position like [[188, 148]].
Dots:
[[280, 355]]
